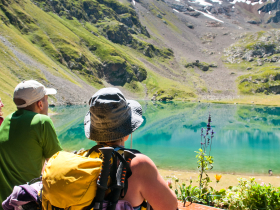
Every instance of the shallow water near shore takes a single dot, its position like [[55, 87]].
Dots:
[[246, 138]]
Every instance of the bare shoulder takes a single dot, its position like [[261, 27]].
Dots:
[[143, 163]]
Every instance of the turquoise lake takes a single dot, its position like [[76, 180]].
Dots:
[[246, 138]]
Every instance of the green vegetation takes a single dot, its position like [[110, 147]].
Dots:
[[202, 65], [247, 195], [171, 88], [265, 80], [93, 40], [258, 53]]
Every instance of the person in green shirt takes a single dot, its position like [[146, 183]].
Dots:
[[27, 137]]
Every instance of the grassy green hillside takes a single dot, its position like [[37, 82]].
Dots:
[[98, 41], [256, 56]]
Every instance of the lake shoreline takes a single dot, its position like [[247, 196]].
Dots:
[[260, 100], [226, 180]]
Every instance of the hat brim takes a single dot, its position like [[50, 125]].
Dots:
[[50, 91], [129, 126]]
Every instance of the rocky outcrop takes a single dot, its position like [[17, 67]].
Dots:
[[269, 84], [118, 33], [139, 72], [274, 6], [254, 22], [178, 6], [116, 74], [261, 48], [219, 10], [194, 14], [92, 11], [162, 96], [202, 65]]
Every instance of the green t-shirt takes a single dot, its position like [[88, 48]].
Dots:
[[26, 140]]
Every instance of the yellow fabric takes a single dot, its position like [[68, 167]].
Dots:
[[70, 180]]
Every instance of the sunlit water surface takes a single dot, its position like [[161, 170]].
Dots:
[[246, 137]]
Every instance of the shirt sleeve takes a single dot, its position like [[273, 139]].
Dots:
[[51, 143]]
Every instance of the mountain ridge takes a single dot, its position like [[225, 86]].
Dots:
[[143, 47]]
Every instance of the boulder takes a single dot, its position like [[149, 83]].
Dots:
[[259, 62], [254, 22], [159, 16], [275, 59], [193, 14], [190, 26], [140, 73], [213, 65]]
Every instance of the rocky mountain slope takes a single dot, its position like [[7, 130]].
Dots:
[[160, 49]]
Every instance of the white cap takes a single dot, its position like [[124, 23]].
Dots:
[[31, 91]]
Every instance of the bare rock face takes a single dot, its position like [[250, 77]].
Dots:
[[119, 73], [274, 6], [116, 74], [118, 34]]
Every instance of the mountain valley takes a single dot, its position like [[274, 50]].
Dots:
[[151, 49]]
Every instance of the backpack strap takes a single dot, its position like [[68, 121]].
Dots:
[[117, 176], [121, 181], [94, 148], [97, 202]]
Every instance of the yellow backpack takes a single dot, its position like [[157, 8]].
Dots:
[[70, 180], [80, 181]]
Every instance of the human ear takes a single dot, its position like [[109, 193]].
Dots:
[[40, 105]]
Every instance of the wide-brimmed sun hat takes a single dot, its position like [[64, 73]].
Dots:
[[111, 116], [31, 91]]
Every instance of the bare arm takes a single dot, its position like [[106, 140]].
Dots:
[[151, 185]]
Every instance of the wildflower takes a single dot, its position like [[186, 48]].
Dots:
[[169, 184], [262, 184], [208, 125], [218, 177]]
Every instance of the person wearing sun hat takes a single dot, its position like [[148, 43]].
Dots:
[[27, 137], [110, 120]]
